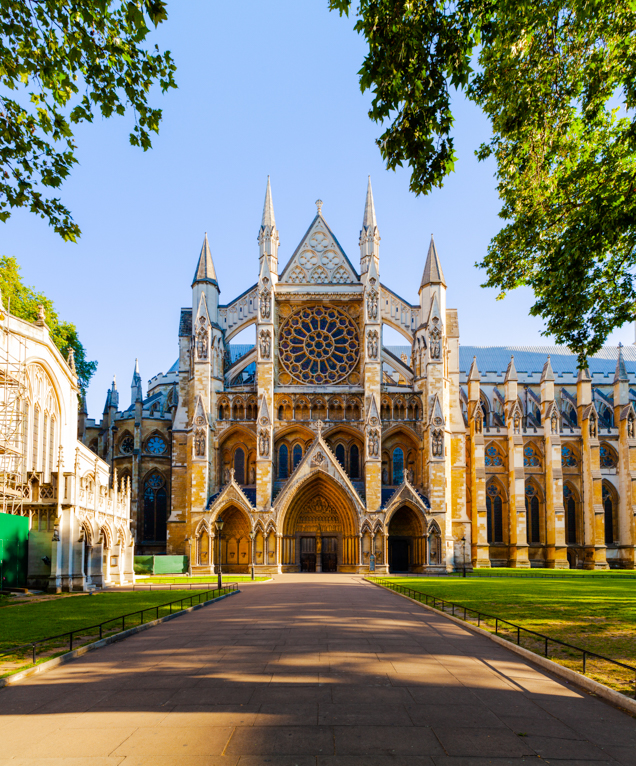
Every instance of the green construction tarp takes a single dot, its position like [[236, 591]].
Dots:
[[14, 541], [161, 564]]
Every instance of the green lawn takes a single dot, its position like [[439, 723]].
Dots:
[[596, 614], [21, 623], [227, 579], [538, 573]]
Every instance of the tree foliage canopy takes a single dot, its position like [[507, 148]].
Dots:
[[557, 79], [23, 302], [61, 63]]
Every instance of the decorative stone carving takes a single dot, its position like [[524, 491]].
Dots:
[[318, 458], [372, 304], [265, 300], [437, 442], [374, 442], [199, 442], [263, 442], [265, 338], [435, 339], [202, 339], [373, 344], [630, 426]]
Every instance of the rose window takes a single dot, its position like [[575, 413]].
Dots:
[[319, 345], [127, 445], [156, 445]]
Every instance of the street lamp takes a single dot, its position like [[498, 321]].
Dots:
[[219, 528], [464, 555], [252, 536]]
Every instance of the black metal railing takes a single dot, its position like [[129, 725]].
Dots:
[[516, 630], [174, 585], [118, 623]]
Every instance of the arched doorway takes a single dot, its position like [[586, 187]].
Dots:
[[320, 529], [407, 547], [235, 543]]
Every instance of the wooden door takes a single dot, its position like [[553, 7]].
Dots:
[[329, 554], [307, 554]]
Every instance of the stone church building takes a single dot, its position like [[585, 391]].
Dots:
[[322, 449]]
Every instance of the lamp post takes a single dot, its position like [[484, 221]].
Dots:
[[464, 554], [252, 536], [219, 528]]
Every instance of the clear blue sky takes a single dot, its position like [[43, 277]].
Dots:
[[271, 89]]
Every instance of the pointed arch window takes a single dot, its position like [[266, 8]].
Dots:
[[340, 454], [494, 514], [283, 462], [607, 457], [52, 443], [608, 508], [45, 433], [398, 465], [493, 457], [354, 462], [533, 524], [531, 457], [297, 456], [568, 457], [239, 466], [155, 508], [570, 515]]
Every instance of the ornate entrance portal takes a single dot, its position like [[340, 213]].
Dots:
[[320, 530]]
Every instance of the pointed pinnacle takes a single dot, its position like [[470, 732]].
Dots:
[[511, 372], [268, 207], [547, 373], [433, 273], [369, 220], [584, 375], [474, 371], [621, 371], [205, 271]]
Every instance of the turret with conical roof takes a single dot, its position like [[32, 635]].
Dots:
[[369, 234], [136, 390], [205, 282], [433, 284], [621, 380], [268, 239]]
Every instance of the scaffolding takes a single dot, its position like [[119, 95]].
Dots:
[[13, 402]]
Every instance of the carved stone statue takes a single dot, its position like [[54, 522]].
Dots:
[[372, 304], [252, 475], [263, 442], [374, 443], [630, 427], [385, 476], [265, 303], [199, 443], [554, 423], [226, 475], [372, 344], [266, 343], [437, 442]]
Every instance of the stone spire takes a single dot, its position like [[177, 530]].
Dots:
[[433, 274], [369, 235], [136, 392], [474, 371], [547, 373], [621, 370], [205, 271], [511, 372], [268, 240]]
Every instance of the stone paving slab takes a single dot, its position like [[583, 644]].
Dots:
[[314, 670]]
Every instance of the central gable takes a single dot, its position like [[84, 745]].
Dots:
[[319, 259]]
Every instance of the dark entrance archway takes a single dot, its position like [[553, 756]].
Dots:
[[407, 545]]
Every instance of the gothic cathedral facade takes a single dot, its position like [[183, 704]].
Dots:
[[322, 449]]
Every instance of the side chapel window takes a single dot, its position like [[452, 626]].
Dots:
[[398, 465], [283, 462], [239, 466], [297, 455], [354, 462], [494, 514], [155, 508], [340, 454], [533, 526]]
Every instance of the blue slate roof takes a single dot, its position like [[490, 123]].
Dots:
[[530, 359]]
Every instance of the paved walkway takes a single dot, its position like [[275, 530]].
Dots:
[[314, 669]]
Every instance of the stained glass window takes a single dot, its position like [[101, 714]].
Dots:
[[340, 454], [354, 462], [127, 445], [283, 461], [493, 456], [494, 514], [156, 445], [608, 508], [297, 455], [398, 465], [239, 466], [568, 458], [531, 457], [570, 514], [319, 345], [155, 509], [608, 457], [533, 526]]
